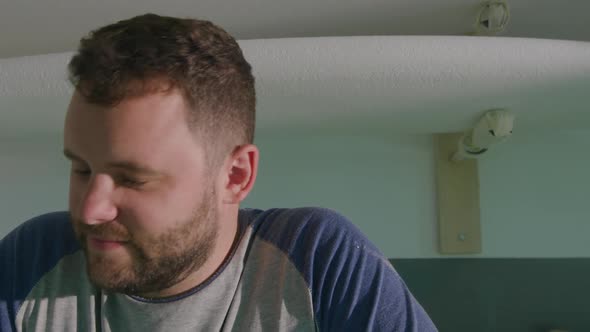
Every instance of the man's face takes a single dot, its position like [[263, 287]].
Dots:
[[142, 201]]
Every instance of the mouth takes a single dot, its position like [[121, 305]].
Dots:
[[104, 244]]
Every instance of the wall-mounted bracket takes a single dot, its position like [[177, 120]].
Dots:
[[457, 190]]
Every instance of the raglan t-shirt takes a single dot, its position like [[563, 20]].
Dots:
[[305, 269]]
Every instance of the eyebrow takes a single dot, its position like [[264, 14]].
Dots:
[[125, 165], [71, 156]]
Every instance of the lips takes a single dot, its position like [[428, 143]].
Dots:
[[104, 244]]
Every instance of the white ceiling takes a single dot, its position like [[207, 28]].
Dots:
[[406, 84], [49, 26]]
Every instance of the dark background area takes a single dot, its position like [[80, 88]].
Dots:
[[485, 295]]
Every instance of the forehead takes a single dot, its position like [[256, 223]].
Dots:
[[133, 128], [155, 110]]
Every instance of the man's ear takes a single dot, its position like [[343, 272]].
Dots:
[[240, 173]]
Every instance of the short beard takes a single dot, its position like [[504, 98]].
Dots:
[[159, 262]]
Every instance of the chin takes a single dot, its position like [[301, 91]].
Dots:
[[109, 273]]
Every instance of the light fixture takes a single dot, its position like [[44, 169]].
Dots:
[[492, 18], [494, 127]]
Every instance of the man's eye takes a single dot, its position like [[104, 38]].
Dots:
[[82, 172], [130, 182]]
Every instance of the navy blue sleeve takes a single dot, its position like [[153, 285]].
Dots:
[[353, 286], [26, 254]]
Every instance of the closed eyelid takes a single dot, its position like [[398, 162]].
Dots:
[[132, 168]]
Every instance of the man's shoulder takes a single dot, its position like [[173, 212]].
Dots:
[[313, 238], [38, 243], [305, 225], [29, 252], [352, 284], [49, 231]]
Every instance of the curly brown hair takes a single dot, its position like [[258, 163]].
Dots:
[[151, 53]]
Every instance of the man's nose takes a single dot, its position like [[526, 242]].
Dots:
[[97, 205]]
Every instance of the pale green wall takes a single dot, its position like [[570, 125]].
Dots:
[[535, 189], [383, 184], [33, 179]]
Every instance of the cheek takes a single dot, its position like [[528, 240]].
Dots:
[[149, 214]]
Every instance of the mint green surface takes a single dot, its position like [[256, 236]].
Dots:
[[535, 189]]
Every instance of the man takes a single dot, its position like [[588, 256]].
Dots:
[[159, 132]]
